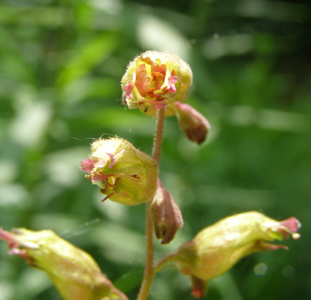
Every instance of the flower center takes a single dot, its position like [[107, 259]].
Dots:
[[153, 83]]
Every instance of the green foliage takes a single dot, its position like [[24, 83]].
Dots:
[[61, 63]]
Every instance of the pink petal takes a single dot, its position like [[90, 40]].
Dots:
[[292, 224], [112, 160], [128, 89], [172, 80], [86, 165]]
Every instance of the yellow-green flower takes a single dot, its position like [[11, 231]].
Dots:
[[74, 273], [216, 248], [123, 173], [155, 79]]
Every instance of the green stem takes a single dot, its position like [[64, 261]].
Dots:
[[149, 273], [164, 261]]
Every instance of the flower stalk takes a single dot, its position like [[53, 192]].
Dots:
[[149, 272]]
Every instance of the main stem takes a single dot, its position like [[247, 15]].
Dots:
[[149, 273]]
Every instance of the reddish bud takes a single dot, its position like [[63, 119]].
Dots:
[[193, 124], [166, 215]]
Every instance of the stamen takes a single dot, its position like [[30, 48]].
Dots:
[[295, 236], [150, 92], [108, 196], [157, 92], [157, 76]]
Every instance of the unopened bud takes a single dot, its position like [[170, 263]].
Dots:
[[123, 173], [74, 273], [215, 249], [166, 215], [193, 124], [154, 79]]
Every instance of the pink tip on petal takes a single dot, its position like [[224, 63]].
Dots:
[[112, 160], [172, 80], [128, 89], [292, 224], [87, 165], [99, 177], [172, 88]]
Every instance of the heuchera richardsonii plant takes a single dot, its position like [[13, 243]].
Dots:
[[157, 83]]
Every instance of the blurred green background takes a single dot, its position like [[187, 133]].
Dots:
[[61, 62]]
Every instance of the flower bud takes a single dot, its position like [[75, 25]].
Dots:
[[74, 273], [192, 123], [166, 215], [123, 173], [215, 249], [154, 79]]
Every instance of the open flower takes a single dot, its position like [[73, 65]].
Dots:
[[155, 79], [123, 173], [215, 249], [74, 273]]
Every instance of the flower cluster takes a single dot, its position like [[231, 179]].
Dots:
[[154, 80]]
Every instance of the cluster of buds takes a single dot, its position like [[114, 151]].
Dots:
[[74, 273], [123, 173], [129, 176], [215, 249], [154, 80]]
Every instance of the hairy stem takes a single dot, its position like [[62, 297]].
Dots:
[[158, 134], [164, 262], [149, 273]]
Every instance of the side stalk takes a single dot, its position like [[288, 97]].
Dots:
[[149, 272]]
